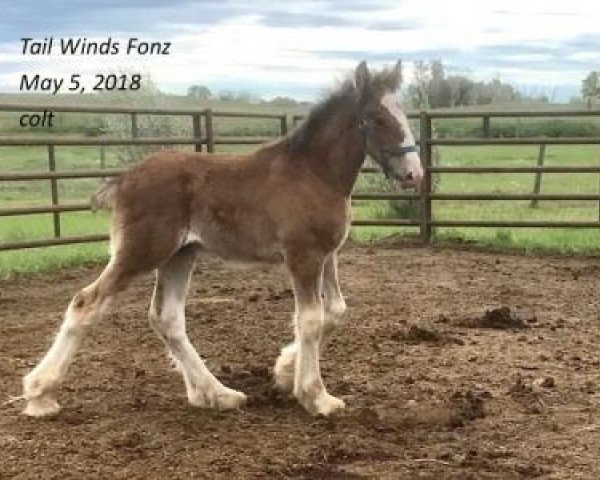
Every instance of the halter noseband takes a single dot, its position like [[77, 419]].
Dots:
[[400, 149]]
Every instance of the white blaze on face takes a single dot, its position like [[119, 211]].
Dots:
[[409, 168]]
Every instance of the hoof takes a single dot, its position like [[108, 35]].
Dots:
[[40, 402], [284, 369], [230, 400], [284, 380], [44, 406], [322, 404], [222, 399]]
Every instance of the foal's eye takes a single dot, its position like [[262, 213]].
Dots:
[[380, 121]]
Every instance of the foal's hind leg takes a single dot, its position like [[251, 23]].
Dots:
[[335, 306], [167, 317], [86, 308]]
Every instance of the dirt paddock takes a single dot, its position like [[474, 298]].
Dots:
[[435, 387]]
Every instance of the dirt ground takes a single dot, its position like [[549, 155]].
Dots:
[[435, 387]]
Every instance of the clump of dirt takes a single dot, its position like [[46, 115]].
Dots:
[[320, 470], [280, 295], [544, 382], [501, 318], [585, 271], [127, 440], [523, 391], [460, 408], [466, 407], [418, 334], [329, 461]]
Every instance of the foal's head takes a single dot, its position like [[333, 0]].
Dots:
[[389, 140]]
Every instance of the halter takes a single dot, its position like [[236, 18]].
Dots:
[[400, 149], [386, 153]]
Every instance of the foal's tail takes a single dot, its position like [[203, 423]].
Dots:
[[104, 198]]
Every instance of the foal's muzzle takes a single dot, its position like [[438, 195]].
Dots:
[[409, 176]]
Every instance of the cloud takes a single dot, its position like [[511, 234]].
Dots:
[[285, 19], [278, 48]]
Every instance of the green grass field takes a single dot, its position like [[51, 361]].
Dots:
[[30, 227]]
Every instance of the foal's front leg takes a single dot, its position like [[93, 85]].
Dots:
[[335, 306], [307, 272]]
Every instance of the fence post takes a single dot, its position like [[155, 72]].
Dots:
[[283, 125], [210, 140], [102, 157], [425, 153], [537, 184], [134, 125], [197, 127], [486, 126], [54, 190]]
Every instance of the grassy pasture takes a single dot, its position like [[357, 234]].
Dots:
[[560, 240], [13, 194], [566, 241]]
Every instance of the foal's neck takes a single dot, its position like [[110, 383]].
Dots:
[[339, 151]]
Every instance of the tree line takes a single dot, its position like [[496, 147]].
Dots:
[[590, 88], [202, 92], [431, 87]]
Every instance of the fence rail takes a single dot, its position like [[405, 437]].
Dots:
[[204, 138]]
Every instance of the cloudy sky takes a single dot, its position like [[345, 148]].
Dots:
[[298, 48]]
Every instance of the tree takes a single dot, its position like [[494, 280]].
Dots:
[[149, 95], [461, 90], [431, 88], [417, 90], [238, 96], [438, 89], [227, 95], [199, 91], [246, 97], [590, 88], [283, 101]]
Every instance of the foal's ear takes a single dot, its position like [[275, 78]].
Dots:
[[398, 73], [362, 78]]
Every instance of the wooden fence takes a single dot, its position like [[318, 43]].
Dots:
[[204, 138]]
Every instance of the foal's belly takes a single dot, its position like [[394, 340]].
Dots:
[[240, 248]]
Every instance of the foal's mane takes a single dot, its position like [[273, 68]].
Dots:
[[302, 139]]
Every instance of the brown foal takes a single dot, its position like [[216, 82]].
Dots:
[[289, 201]]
